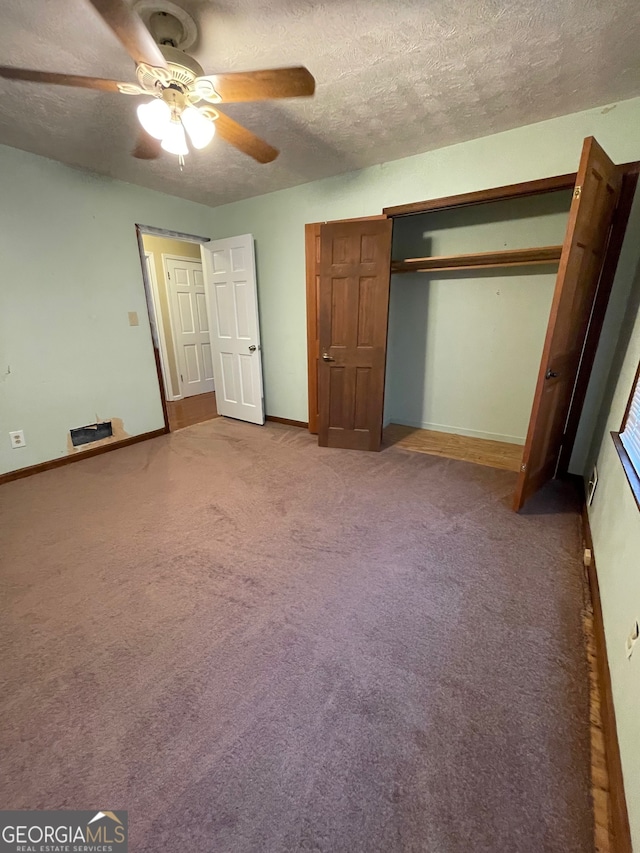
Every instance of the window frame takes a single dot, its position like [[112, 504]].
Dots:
[[632, 473]]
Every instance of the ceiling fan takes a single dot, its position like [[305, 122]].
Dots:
[[183, 98]]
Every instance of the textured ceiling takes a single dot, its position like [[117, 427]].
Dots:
[[394, 78]]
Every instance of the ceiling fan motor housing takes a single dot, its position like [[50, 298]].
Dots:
[[181, 73], [183, 67]]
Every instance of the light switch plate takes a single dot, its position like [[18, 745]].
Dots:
[[133, 318]]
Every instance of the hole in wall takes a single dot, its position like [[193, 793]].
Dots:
[[90, 433], [117, 434]]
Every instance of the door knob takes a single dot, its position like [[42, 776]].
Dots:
[[327, 357], [550, 374], [252, 348]]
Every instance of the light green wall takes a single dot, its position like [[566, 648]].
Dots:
[[70, 273], [159, 246], [615, 524], [277, 220]]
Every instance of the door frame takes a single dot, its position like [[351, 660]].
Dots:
[[155, 328], [164, 353]]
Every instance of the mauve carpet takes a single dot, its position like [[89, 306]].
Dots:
[[256, 645]]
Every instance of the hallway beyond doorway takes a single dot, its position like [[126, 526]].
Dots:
[[192, 410]]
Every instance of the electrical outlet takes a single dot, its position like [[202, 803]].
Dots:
[[17, 438]]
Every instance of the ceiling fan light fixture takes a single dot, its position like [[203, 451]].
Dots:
[[201, 130], [174, 140], [155, 117]]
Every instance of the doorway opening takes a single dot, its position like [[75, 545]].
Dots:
[[174, 287]]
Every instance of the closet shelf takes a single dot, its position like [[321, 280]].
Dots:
[[508, 258]]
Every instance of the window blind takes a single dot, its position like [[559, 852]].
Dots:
[[630, 436]]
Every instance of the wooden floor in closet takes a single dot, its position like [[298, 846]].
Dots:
[[495, 454]]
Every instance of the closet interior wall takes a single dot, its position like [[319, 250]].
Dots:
[[464, 345]]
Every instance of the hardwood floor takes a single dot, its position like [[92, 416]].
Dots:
[[191, 410], [495, 454]]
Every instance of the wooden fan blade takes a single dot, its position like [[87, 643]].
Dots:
[[130, 30], [244, 140], [58, 79], [146, 147], [263, 85]]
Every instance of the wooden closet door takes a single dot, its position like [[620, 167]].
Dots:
[[595, 196], [355, 259]]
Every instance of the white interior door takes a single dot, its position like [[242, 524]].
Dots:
[[190, 324], [232, 303]]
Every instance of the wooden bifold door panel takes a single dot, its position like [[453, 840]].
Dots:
[[595, 197], [354, 280]]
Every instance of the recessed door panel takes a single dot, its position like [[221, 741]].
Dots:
[[201, 312], [185, 314], [247, 391], [362, 396], [242, 295], [366, 312], [340, 319], [368, 246], [338, 418], [207, 363], [220, 260], [224, 309], [181, 276], [238, 261], [339, 249], [230, 391], [192, 364]]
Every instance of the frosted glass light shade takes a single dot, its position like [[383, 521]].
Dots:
[[174, 140], [199, 128], [155, 117]]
